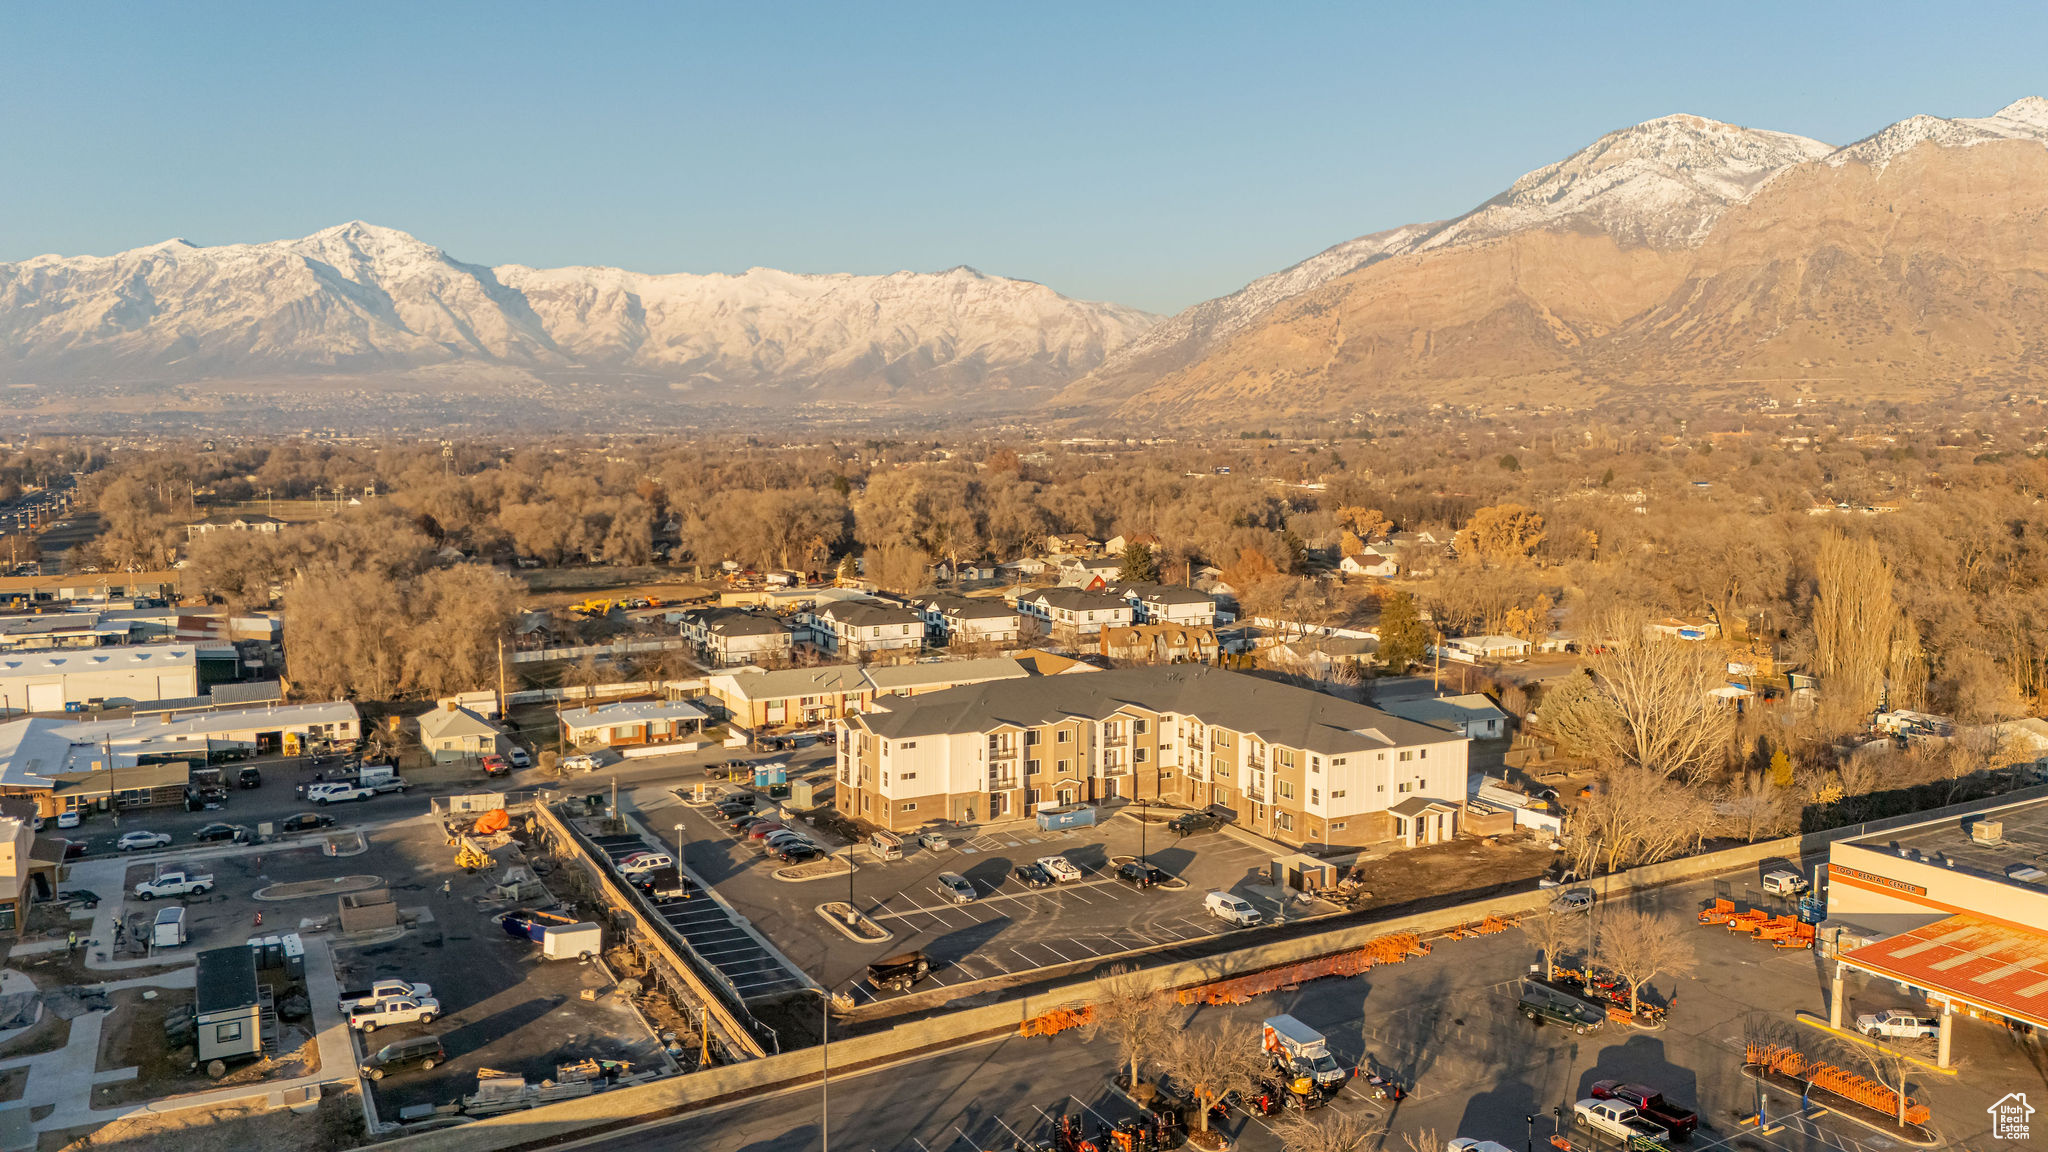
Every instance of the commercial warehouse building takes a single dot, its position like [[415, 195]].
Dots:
[[48, 680], [1955, 908], [1299, 766]]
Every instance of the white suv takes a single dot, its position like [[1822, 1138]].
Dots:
[[1233, 909]]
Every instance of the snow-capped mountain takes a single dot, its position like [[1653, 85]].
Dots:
[[1662, 185], [361, 298], [2025, 119]]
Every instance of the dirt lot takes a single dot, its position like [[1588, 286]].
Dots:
[[48, 1035], [1459, 868], [335, 1125], [133, 1036]]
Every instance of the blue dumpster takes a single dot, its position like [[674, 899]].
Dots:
[[1072, 816]]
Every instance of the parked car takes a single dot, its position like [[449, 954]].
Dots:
[[1540, 1002], [1034, 876], [218, 831], [1620, 1121], [733, 807], [1188, 823], [496, 765], [68, 818], [406, 1010], [646, 861], [1572, 900], [419, 1052], [1141, 875], [305, 822], [249, 777], [1898, 1024], [386, 989], [798, 853], [1060, 868], [934, 841], [777, 841], [580, 762], [140, 841], [742, 823], [760, 829], [959, 889], [1232, 909], [1680, 1123], [518, 757]]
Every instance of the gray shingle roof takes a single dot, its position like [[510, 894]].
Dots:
[[1277, 713]]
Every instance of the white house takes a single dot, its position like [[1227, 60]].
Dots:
[[1371, 562], [1473, 649], [854, 627], [1168, 604], [724, 637], [452, 732], [1474, 714], [969, 620], [1073, 612]]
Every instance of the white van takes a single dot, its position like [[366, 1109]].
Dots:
[[1232, 909]]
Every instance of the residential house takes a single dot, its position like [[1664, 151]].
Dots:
[[956, 620], [1371, 562], [1069, 614], [1475, 649], [1684, 628], [1299, 766], [632, 723], [1092, 572], [723, 637], [225, 522], [1070, 544], [1168, 604], [755, 700], [1116, 545], [1325, 656], [1473, 714], [1029, 567], [854, 628], [452, 732], [1160, 643]]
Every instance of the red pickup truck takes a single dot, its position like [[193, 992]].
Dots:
[[1651, 1105]]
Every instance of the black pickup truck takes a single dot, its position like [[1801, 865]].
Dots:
[[1680, 1122]]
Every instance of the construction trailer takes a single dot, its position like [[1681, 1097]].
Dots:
[[229, 1005]]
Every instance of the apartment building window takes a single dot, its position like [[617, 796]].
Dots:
[[1315, 795], [885, 747], [1286, 790], [1223, 770], [911, 807], [1286, 758], [1065, 737], [1340, 825], [909, 744], [1407, 787], [1141, 755], [1422, 754], [1138, 727], [1315, 763], [1066, 766], [1033, 737], [885, 780], [1407, 756], [1284, 821], [1383, 755], [1031, 767], [1337, 794], [1031, 796], [1337, 762], [907, 776]]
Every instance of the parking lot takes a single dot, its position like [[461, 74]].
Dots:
[[754, 971], [1010, 927]]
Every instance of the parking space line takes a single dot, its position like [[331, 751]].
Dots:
[[1054, 951]]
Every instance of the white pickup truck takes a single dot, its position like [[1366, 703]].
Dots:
[[174, 882], [404, 1010], [1620, 1121], [384, 990], [1060, 868], [334, 793]]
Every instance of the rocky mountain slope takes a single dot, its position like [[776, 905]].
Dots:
[[362, 299], [1677, 251]]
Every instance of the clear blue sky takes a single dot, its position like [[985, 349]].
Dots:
[[1153, 154]]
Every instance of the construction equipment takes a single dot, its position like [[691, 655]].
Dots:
[[469, 855], [1720, 913], [1748, 921]]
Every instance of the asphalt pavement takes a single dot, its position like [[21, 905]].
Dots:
[[1444, 1024]]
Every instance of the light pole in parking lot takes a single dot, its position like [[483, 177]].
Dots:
[[1143, 806]]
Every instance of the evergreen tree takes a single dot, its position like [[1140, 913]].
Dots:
[[1139, 566]]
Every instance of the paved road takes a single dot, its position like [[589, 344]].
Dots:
[[1444, 1023]]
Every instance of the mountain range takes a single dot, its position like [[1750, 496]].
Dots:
[[1681, 253], [360, 299]]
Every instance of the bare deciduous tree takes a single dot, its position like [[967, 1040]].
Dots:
[[1638, 946], [1636, 816], [1326, 1132], [1550, 932], [1854, 622], [1212, 1063], [1135, 1012]]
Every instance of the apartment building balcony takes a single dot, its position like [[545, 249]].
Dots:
[[1255, 763], [1003, 783]]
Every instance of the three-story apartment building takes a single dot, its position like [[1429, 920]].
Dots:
[[1299, 766], [849, 628], [723, 637], [1069, 614]]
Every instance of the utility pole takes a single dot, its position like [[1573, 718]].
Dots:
[[504, 712]]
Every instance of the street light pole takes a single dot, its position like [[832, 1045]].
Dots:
[[825, 1069]]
